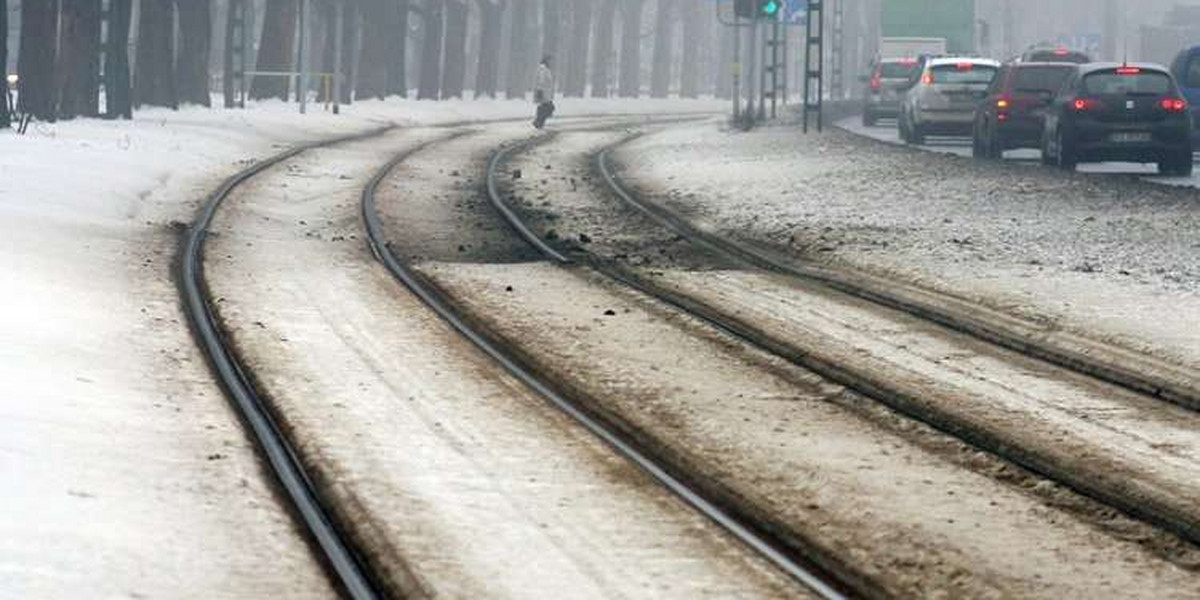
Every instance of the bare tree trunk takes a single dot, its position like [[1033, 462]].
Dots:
[[631, 48], [154, 83], [491, 15], [5, 109], [695, 37], [118, 91], [398, 49], [454, 73], [723, 75], [191, 68], [575, 83], [551, 27], [275, 49], [520, 50], [37, 57], [79, 59], [374, 58], [660, 74], [602, 50], [431, 51]]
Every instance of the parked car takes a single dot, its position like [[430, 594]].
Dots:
[[886, 87], [1186, 69], [1012, 114], [943, 100], [1057, 54], [1119, 112]]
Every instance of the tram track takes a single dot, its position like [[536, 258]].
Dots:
[[312, 511], [812, 572], [1175, 515]]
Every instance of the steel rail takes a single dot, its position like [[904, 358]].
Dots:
[[444, 307], [1126, 369], [1165, 516], [1107, 490], [351, 571]]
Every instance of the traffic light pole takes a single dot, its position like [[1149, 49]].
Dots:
[[814, 60]]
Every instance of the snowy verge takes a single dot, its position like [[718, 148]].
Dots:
[[126, 474]]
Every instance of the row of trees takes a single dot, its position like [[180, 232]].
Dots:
[[439, 48]]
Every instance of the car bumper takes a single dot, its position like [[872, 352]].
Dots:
[[947, 121], [1018, 134], [1092, 143]]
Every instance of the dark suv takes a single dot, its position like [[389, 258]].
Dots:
[[1011, 115], [1113, 112]]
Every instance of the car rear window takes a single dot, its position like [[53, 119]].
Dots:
[[897, 70], [966, 73], [1058, 56], [1040, 79], [1137, 82]]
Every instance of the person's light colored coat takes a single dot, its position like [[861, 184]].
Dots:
[[543, 82]]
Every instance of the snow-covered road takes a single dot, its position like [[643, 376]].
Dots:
[[886, 131]]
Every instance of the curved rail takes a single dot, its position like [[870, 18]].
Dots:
[[351, 573], [1120, 367], [1164, 515], [445, 309]]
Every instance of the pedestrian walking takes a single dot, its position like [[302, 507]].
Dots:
[[543, 92]]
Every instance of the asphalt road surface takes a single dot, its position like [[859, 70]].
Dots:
[[886, 131]]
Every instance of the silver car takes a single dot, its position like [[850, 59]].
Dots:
[[885, 88], [943, 100]]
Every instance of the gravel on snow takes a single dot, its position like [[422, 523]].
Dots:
[[1106, 256]]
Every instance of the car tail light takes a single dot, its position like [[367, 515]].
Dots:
[[876, 82], [1128, 71], [1173, 105], [965, 66], [927, 79], [1085, 104], [1003, 104], [1061, 52]]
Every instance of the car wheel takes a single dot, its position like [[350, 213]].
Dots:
[[1186, 166], [916, 134], [995, 150], [976, 145], [1047, 159], [1066, 155], [1179, 165]]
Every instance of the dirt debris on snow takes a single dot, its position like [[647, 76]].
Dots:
[[1107, 256]]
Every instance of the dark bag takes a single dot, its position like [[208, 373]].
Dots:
[[545, 110]]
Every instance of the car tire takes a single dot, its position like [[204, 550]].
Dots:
[[1067, 160], [1046, 158], [1179, 165], [917, 135], [994, 149]]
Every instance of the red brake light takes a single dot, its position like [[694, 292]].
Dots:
[[927, 79], [1128, 71], [1173, 105], [1084, 105], [908, 61], [876, 82], [1003, 103], [965, 66], [1061, 52]]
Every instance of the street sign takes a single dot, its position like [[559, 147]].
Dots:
[[796, 12]]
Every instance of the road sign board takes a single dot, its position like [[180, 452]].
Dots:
[[796, 12]]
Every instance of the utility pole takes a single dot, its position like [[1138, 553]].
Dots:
[[1110, 30], [305, 42], [737, 68], [338, 39]]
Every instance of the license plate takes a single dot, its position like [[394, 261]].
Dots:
[[1127, 137]]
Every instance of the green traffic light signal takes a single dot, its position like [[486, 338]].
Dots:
[[770, 8]]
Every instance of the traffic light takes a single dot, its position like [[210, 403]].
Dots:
[[758, 9], [769, 9]]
